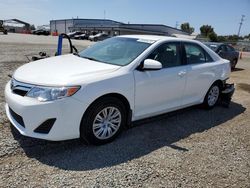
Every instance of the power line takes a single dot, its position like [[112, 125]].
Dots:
[[241, 23]]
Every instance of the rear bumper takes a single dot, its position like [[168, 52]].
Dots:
[[226, 94]]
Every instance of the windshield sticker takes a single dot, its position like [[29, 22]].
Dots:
[[146, 41]]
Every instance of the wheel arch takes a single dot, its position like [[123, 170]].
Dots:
[[219, 82], [120, 97]]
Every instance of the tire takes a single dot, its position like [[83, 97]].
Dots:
[[233, 65], [106, 129], [5, 32], [212, 96]]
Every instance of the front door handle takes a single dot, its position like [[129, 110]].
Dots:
[[182, 73]]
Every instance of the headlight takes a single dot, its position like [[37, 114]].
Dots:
[[51, 93]]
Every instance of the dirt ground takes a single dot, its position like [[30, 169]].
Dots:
[[188, 148]]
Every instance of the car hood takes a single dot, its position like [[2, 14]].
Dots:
[[62, 71]]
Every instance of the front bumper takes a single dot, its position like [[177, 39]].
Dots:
[[68, 113]]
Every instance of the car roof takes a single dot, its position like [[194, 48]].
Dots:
[[213, 43], [156, 38]]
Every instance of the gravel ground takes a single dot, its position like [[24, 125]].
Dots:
[[188, 148]]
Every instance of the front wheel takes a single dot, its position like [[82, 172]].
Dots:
[[212, 96], [103, 121]]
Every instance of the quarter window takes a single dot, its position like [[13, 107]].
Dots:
[[194, 54], [168, 54]]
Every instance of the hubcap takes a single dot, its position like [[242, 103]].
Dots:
[[213, 95], [107, 122]]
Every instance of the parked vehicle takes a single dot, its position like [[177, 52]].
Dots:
[[73, 34], [2, 29], [225, 51], [82, 36], [99, 37], [41, 32], [93, 95]]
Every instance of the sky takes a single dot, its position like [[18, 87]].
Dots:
[[223, 15]]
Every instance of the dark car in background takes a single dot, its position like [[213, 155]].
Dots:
[[2, 29], [225, 51], [41, 32]]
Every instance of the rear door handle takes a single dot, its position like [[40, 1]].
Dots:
[[182, 73]]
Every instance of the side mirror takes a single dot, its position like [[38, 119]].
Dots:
[[150, 64]]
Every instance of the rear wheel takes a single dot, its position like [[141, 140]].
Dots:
[[212, 96], [103, 121], [5, 32]]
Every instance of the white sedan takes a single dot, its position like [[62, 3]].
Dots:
[[95, 94]]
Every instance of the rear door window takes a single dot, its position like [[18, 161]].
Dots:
[[194, 54]]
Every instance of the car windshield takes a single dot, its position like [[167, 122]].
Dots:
[[117, 51]]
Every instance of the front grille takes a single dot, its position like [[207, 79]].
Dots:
[[17, 117], [20, 88]]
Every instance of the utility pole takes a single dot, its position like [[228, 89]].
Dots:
[[104, 14], [176, 24], [241, 23]]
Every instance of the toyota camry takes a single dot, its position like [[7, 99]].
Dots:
[[93, 95]]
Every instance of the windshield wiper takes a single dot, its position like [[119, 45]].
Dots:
[[91, 58], [76, 53]]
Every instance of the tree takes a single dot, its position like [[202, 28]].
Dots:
[[233, 38], [187, 28], [213, 37], [247, 36], [206, 29], [221, 39]]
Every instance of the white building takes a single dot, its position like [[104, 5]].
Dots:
[[111, 27]]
